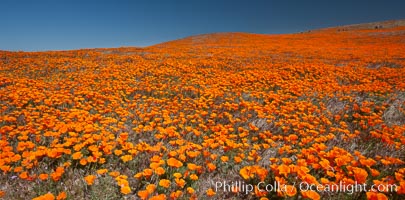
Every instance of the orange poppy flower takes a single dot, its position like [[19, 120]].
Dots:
[[224, 158], [61, 196], [143, 194], [90, 179], [164, 183], [126, 158], [310, 194], [210, 192], [247, 172], [176, 194], [211, 167], [151, 188], [284, 170], [193, 177], [77, 155], [376, 196], [160, 171], [43, 176], [24, 175], [190, 190], [290, 190], [102, 171], [180, 182], [174, 162], [125, 190], [48, 196], [159, 197], [360, 175]]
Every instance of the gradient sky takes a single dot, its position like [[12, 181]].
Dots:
[[38, 25]]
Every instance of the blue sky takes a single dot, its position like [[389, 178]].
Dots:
[[39, 25]]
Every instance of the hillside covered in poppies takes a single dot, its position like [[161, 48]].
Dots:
[[178, 119]]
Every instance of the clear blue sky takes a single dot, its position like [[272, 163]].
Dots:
[[38, 25]]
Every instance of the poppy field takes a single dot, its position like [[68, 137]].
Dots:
[[178, 119]]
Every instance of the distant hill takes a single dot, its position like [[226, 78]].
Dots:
[[365, 26], [236, 38]]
